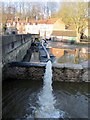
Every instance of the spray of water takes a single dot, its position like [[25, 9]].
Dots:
[[46, 98]]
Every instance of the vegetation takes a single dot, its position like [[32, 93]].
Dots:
[[75, 14], [32, 10]]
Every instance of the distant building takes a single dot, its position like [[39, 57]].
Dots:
[[64, 35], [16, 24], [44, 27], [31, 27], [54, 24], [51, 28]]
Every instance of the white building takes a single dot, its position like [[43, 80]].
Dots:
[[44, 27]]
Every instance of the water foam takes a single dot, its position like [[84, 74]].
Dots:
[[46, 98]]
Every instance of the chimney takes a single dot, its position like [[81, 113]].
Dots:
[[27, 19]]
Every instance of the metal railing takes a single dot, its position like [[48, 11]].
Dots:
[[48, 56]]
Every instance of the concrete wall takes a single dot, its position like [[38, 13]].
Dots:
[[61, 72], [14, 47]]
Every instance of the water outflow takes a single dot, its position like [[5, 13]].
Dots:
[[46, 98]]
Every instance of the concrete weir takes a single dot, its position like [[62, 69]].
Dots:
[[18, 46], [35, 71]]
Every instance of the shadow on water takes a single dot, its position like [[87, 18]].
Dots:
[[17, 95], [73, 98]]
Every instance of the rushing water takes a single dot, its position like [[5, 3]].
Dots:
[[19, 98], [46, 98]]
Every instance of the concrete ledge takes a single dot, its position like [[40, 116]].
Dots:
[[85, 64], [57, 65], [26, 64], [14, 47], [35, 71], [24, 71]]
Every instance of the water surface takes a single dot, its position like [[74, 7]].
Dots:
[[20, 98]]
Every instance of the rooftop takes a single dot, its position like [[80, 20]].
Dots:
[[64, 33], [49, 21]]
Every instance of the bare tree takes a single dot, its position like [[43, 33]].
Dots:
[[36, 10], [52, 8], [28, 13], [31, 10], [75, 14]]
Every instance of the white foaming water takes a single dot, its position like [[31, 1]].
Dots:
[[46, 98]]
